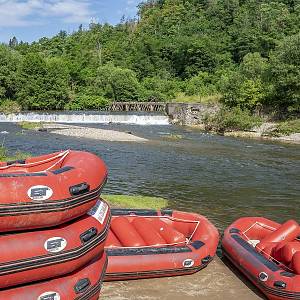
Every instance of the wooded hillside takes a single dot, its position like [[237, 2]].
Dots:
[[244, 53]]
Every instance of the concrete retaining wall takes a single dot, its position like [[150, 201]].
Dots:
[[189, 113]]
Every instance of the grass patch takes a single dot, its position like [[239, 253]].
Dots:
[[137, 201], [5, 156], [30, 125], [174, 137], [183, 98], [287, 128], [234, 119]]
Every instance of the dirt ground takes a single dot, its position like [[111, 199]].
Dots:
[[218, 281]]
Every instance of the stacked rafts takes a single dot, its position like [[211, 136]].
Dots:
[[53, 227]]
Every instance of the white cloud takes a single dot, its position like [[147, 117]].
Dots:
[[17, 13], [131, 5]]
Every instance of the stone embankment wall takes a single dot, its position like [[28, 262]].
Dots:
[[189, 113]]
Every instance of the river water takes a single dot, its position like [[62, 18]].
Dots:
[[223, 178]]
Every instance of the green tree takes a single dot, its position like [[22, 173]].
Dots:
[[9, 62], [285, 73], [118, 84]]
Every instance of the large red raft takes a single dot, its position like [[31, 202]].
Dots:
[[49, 190], [83, 284], [268, 253], [149, 243], [41, 254]]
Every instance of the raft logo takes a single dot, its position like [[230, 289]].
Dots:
[[39, 192], [188, 263], [55, 244], [263, 276], [49, 296]]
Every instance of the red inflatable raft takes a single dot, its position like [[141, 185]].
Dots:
[[40, 254], [83, 284], [148, 243], [49, 190], [268, 253]]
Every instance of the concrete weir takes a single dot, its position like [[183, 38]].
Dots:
[[216, 282]]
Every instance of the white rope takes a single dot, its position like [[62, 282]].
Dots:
[[61, 154], [261, 250], [186, 242]]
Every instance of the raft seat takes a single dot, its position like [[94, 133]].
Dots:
[[142, 232]]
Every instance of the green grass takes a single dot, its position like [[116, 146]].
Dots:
[[174, 137], [5, 156], [30, 125], [183, 98], [137, 201], [287, 128]]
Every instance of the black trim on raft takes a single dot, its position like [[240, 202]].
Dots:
[[197, 244], [14, 175], [267, 263], [62, 170], [50, 259], [167, 212], [93, 290], [137, 212], [261, 285], [37, 174], [146, 251], [14, 209], [18, 161], [155, 273], [287, 274]]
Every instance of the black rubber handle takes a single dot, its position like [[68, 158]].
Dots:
[[88, 235], [82, 285], [79, 189]]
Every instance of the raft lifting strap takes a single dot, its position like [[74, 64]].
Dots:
[[61, 155], [262, 251]]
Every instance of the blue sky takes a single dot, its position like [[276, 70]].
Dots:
[[30, 20]]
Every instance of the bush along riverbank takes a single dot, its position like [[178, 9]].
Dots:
[[243, 123]]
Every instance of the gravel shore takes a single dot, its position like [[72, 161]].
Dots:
[[93, 133]]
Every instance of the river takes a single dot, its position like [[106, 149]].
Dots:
[[223, 178]]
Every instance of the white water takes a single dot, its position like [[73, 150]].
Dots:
[[87, 117]]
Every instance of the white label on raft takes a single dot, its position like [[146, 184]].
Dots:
[[188, 263], [55, 244], [39, 192], [99, 211], [49, 296]]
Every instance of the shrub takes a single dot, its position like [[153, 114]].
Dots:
[[202, 85], [231, 119], [287, 128], [159, 89], [82, 102], [9, 107]]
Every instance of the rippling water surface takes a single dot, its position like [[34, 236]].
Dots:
[[223, 178]]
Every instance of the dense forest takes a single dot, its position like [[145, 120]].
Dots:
[[243, 53]]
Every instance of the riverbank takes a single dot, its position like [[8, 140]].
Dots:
[[266, 131], [291, 139], [217, 281], [84, 132]]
